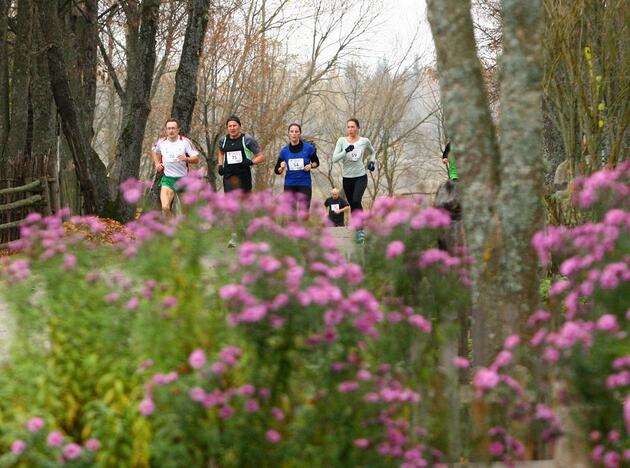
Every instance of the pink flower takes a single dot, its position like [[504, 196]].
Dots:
[[218, 368], [485, 379], [495, 449], [247, 390], [538, 316], [230, 354], [502, 359], [551, 355], [607, 323], [165, 379], [512, 342], [72, 451], [279, 301], [420, 322], [597, 453], [614, 436], [395, 249], [277, 414], [361, 443], [93, 445], [197, 394], [538, 337], [18, 446], [432, 256], [612, 460], [54, 439], [197, 359], [251, 406], [626, 413], [432, 218], [253, 313], [273, 436], [226, 412], [69, 261], [132, 190], [146, 406], [35, 424], [354, 274], [169, 301], [133, 303], [268, 264], [460, 362], [559, 287], [348, 386]]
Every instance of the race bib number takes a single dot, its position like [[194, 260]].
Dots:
[[296, 164], [234, 157], [170, 157], [354, 155], [334, 208]]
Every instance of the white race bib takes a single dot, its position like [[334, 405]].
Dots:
[[296, 164], [234, 157], [354, 155], [170, 157], [334, 208]]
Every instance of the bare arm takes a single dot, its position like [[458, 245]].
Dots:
[[157, 161]]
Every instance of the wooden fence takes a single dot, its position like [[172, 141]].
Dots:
[[35, 194]]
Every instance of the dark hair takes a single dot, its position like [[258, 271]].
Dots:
[[233, 118], [356, 121], [310, 140], [171, 120], [295, 125], [447, 150]]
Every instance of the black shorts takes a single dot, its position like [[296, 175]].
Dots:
[[242, 181]]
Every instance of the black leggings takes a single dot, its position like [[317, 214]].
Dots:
[[354, 188], [303, 196]]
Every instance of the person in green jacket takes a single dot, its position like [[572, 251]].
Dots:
[[449, 162]]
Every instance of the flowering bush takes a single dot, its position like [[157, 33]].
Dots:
[[39, 448], [168, 346], [577, 350]]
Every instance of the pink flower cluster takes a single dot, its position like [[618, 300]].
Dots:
[[54, 439]]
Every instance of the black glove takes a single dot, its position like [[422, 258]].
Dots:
[[221, 170], [349, 148], [249, 162], [371, 166]]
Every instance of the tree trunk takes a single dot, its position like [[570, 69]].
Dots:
[[20, 79], [519, 200], [186, 78], [90, 169], [475, 146], [4, 74], [502, 203], [84, 30], [137, 105], [44, 116]]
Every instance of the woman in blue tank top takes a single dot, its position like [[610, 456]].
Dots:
[[298, 158]]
